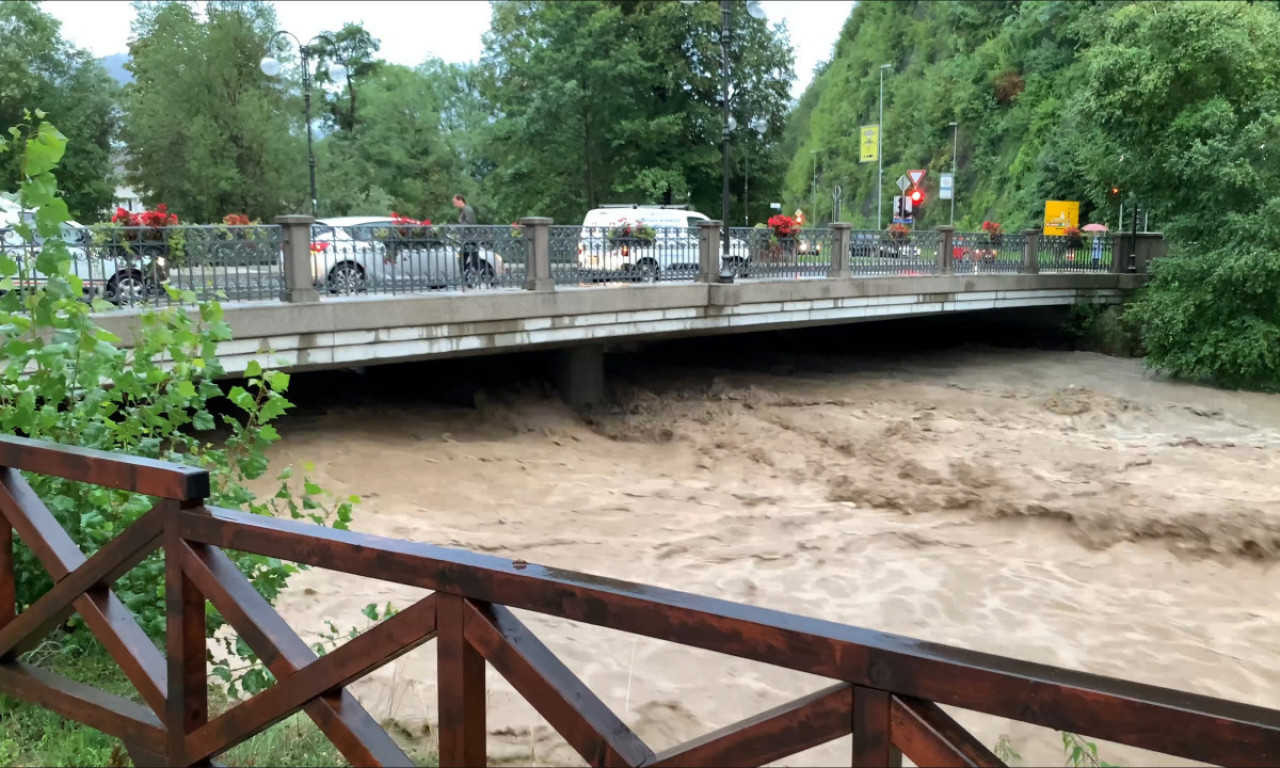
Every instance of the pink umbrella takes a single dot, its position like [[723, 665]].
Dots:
[[1094, 228]]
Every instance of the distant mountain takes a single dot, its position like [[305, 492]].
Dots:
[[115, 67]]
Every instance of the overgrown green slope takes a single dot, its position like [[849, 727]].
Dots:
[[1176, 104], [1010, 73]]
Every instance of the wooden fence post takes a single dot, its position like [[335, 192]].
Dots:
[[8, 587], [188, 699], [872, 731], [460, 687]]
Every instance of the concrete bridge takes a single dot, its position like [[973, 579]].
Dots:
[[302, 332]]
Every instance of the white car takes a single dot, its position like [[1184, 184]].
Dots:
[[353, 254], [646, 243], [119, 277]]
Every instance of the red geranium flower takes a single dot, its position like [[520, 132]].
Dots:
[[783, 226]]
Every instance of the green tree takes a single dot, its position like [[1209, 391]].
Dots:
[[207, 132], [1008, 72], [1180, 108], [397, 154], [355, 49], [596, 102], [38, 67], [1212, 312]]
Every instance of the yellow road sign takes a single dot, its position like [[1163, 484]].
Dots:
[[870, 146], [1060, 214]]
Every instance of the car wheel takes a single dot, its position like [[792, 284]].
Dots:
[[647, 270], [481, 275], [347, 278], [128, 287]]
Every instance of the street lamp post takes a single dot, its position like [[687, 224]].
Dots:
[[813, 203], [725, 30], [880, 154], [955, 146], [271, 67], [757, 128]]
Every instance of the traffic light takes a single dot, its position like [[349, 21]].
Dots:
[[917, 196]]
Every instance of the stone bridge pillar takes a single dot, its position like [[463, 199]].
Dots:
[[1150, 246], [299, 281], [840, 238], [1031, 252], [946, 246], [537, 259], [708, 252], [580, 375]]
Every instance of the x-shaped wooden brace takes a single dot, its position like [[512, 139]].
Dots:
[[82, 586], [304, 681]]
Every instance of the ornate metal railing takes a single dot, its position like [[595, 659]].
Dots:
[[885, 690], [981, 252], [875, 253], [1087, 253], [129, 266], [616, 254], [133, 265], [768, 256]]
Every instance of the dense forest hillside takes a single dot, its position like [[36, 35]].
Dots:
[[1055, 99]]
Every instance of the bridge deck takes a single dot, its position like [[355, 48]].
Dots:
[[360, 330]]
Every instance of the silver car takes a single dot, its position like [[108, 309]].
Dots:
[[121, 278], [354, 254]]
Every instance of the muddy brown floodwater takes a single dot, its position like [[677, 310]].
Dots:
[[1060, 507]]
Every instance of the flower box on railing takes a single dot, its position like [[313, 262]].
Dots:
[[626, 234], [994, 233]]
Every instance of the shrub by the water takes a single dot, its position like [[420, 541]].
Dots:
[[1213, 313], [65, 379]]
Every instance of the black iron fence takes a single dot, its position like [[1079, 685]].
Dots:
[[1078, 253], [134, 265], [623, 253], [139, 265], [875, 253], [761, 253], [984, 252]]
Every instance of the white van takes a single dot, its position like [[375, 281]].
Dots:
[[645, 243]]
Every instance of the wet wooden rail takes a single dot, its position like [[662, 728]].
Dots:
[[885, 689]]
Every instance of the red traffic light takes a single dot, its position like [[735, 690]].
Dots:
[[916, 196]]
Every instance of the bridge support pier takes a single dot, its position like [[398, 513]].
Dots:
[[580, 375]]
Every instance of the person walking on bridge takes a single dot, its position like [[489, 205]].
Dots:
[[470, 249]]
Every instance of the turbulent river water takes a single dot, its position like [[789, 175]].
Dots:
[[1060, 507]]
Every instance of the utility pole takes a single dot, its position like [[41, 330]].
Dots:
[[880, 154], [955, 145], [725, 21], [813, 205]]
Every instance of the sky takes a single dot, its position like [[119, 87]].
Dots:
[[411, 32]]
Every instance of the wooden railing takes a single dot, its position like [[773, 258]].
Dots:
[[886, 688]]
